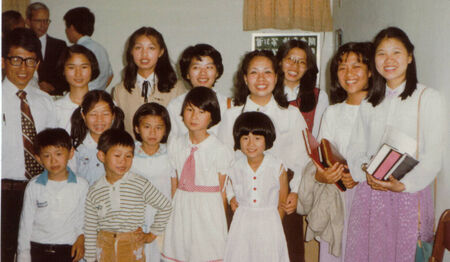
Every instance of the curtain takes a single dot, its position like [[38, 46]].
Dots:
[[18, 5], [307, 15]]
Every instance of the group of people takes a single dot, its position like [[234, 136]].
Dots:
[[153, 171]]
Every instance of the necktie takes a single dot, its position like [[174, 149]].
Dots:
[[32, 166], [188, 173], [145, 90]]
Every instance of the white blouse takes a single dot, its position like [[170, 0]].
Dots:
[[64, 110], [176, 121], [337, 124], [211, 158], [401, 115], [288, 145]]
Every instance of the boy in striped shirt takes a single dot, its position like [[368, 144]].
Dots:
[[115, 205]]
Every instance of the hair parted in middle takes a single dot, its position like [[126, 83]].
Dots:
[[152, 109], [241, 90], [205, 99], [256, 123]]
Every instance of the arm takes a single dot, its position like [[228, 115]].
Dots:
[[109, 80], [284, 188], [26, 225], [77, 251], [157, 200], [222, 179], [321, 106], [90, 230]]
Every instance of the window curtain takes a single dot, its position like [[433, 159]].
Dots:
[[307, 15], [17, 5]]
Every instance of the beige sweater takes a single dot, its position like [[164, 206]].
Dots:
[[322, 203], [130, 103]]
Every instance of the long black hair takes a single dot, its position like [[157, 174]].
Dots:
[[364, 52], [376, 94], [241, 90], [163, 69], [79, 129], [308, 80]]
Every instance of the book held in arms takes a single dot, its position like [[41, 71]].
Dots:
[[394, 158], [324, 154]]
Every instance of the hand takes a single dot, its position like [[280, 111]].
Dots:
[[348, 181], [329, 175], [291, 203], [77, 251], [46, 87], [234, 204], [391, 184], [142, 237]]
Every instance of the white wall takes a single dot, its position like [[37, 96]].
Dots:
[[427, 24], [182, 23]]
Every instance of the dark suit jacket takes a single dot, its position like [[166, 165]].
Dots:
[[48, 70]]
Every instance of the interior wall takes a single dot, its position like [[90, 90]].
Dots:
[[181, 22], [426, 23]]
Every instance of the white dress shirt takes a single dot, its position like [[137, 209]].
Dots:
[[103, 62], [401, 115], [43, 112], [64, 110], [52, 213], [322, 104], [177, 125], [288, 146]]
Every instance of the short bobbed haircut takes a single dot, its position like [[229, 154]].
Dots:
[[364, 52], [197, 52], [205, 99], [308, 80], [241, 90], [24, 38], [256, 123], [82, 19], [114, 137], [56, 137], [79, 49], [377, 93], [152, 109]]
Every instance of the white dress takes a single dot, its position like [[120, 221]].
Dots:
[[197, 228], [256, 233], [158, 170], [336, 126]]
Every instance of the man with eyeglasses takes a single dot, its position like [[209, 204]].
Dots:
[[51, 79], [26, 110]]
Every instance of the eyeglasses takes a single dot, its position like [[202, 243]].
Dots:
[[17, 61], [292, 60], [42, 21]]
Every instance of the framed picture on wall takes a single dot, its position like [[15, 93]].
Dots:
[[272, 41]]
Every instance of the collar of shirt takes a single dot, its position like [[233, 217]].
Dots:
[[11, 89], [139, 152], [89, 141], [43, 178], [103, 182], [202, 144], [252, 106], [151, 81], [395, 92], [43, 40], [83, 39], [66, 102], [291, 94]]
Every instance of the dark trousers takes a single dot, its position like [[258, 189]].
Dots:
[[50, 253], [12, 200], [293, 229]]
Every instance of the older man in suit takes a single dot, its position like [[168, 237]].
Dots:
[[51, 79]]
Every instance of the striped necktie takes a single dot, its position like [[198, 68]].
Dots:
[[32, 166]]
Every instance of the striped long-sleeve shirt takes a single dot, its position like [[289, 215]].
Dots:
[[120, 208]]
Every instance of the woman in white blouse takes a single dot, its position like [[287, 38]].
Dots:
[[260, 88], [384, 219]]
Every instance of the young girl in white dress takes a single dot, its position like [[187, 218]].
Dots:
[[197, 228], [260, 185], [151, 128], [350, 70]]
